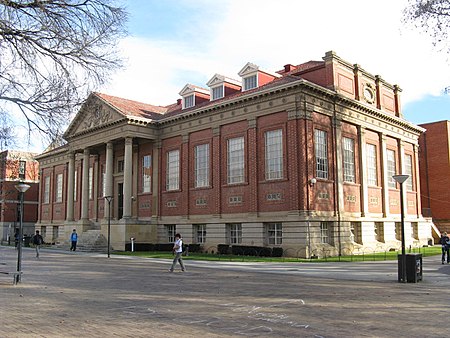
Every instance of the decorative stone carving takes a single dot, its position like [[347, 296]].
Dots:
[[96, 116]]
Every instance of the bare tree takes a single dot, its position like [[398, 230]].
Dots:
[[52, 53], [433, 16], [7, 135]]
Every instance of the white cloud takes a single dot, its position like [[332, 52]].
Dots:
[[273, 33]]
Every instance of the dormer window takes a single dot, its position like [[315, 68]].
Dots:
[[193, 96], [217, 92], [188, 101], [221, 86], [250, 82]]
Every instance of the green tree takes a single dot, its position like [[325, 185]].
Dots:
[[52, 53], [433, 16]]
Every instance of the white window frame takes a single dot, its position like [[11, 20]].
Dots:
[[325, 232], [274, 232], [235, 233], [171, 230], [371, 156], [391, 167], [348, 145], [59, 188], [217, 92], [409, 172], [90, 182], [321, 153], [103, 183], [201, 165], [274, 154], [250, 82], [22, 169], [236, 160], [173, 170], [200, 233], [146, 173], [47, 189], [189, 101], [75, 185]]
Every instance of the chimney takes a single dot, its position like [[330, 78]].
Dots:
[[289, 67], [178, 102]]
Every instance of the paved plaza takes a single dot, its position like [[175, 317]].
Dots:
[[66, 294]]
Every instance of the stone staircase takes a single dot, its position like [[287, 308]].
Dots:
[[92, 241]]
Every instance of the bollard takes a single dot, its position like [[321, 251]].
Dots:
[[132, 243]]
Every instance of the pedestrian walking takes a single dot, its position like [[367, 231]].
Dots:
[[178, 251], [445, 242], [73, 239], [37, 240]]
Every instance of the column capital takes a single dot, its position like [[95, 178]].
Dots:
[[128, 140]]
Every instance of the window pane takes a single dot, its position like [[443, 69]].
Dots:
[[320, 138], [235, 233], [189, 101], [235, 160], [201, 161], [372, 178], [409, 172], [217, 92], [274, 233], [146, 173], [47, 189], [90, 182], [274, 154], [59, 187], [250, 82], [349, 159], [324, 232], [173, 170], [391, 168]]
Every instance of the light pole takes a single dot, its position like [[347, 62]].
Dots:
[[21, 187], [400, 179], [109, 199]]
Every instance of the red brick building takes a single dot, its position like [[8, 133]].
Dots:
[[16, 167], [301, 158], [435, 172]]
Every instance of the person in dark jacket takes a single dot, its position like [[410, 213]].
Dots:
[[445, 242], [37, 240]]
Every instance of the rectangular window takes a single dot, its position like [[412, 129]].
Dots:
[[398, 231], [409, 172], [235, 160], [391, 171], [379, 231], [171, 230], [22, 168], [372, 177], [274, 233], [250, 82], [146, 173], [90, 182], [59, 188], [349, 159], [120, 165], [75, 185], [274, 154], [47, 189], [320, 145], [355, 228], [103, 183], [201, 163], [200, 233], [324, 232], [173, 170], [217, 92], [188, 101], [235, 233], [415, 230]]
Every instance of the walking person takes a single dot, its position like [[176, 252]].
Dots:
[[74, 239], [178, 251], [445, 242], [37, 241]]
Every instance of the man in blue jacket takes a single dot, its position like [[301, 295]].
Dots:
[[74, 239]]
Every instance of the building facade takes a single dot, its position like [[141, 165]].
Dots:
[[434, 163], [16, 167], [301, 159]]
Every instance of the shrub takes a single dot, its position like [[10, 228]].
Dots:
[[223, 249]]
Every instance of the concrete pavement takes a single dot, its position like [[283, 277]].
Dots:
[[66, 294]]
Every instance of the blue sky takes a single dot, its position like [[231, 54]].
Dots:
[[175, 42]]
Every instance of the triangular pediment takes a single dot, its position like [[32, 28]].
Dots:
[[93, 114], [249, 68], [190, 89], [218, 79]]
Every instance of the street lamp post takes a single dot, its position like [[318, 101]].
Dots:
[[22, 188], [401, 179], [109, 199]]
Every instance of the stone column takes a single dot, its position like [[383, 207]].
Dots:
[[108, 176], [403, 171], [339, 169], [363, 171], [416, 178], [127, 177], [85, 186], [70, 187], [155, 179]]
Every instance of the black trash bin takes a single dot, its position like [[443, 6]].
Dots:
[[413, 264]]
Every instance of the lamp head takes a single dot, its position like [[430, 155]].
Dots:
[[400, 178], [22, 187]]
